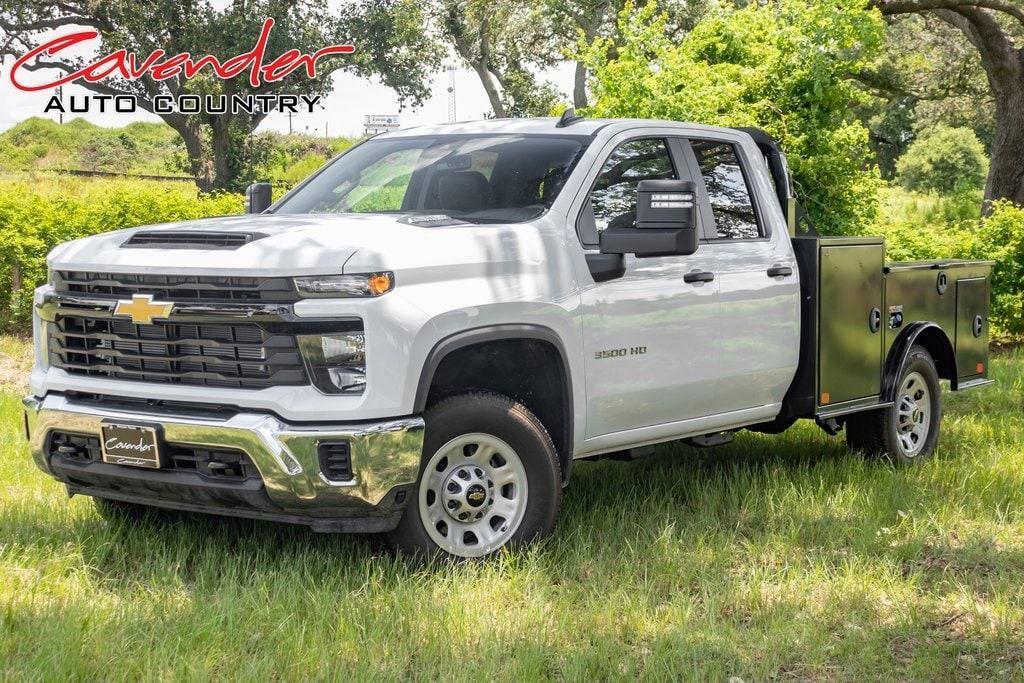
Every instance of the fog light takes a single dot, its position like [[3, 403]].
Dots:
[[336, 362]]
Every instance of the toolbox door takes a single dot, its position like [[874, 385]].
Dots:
[[850, 339], [971, 327]]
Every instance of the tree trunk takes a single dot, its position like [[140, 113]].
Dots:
[[221, 145], [1006, 172], [200, 164], [579, 86], [492, 87]]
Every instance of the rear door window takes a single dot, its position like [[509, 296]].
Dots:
[[728, 190]]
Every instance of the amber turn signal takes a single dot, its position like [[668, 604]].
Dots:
[[380, 283]]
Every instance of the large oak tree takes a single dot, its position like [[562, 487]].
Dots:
[[387, 34], [995, 28]]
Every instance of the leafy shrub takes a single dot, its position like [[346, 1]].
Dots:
[[38, 213], [946, 160], [913, 232], [1001, 238]]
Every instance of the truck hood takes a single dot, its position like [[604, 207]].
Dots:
[[308, 245]]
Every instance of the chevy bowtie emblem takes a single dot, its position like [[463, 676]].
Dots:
[[143, 309]]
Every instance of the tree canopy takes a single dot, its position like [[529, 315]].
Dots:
[[784, 67]]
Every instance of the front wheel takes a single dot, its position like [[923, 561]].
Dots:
[[489, 479], [907, 431]]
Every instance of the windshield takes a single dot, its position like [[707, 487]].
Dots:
[[475, 178]]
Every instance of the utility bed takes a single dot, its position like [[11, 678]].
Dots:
[[855, 307]]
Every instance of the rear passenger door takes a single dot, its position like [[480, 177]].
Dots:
[[759, 305]]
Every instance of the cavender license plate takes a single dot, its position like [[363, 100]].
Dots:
[[133, 445]]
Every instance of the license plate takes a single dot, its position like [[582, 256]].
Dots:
[[133, 445]]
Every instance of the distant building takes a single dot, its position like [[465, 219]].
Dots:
[[380, 123]]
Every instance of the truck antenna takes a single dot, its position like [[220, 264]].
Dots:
[[569, 117]]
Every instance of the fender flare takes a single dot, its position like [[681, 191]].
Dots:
[[935, 339], [489, 333]]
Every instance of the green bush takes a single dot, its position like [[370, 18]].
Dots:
[[946, 160], [915, 230], [38, 213]]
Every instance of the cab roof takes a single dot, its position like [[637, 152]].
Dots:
[[541, 126]]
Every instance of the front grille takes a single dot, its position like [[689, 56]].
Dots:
[[210, 463], [196, 239], [242, 355], [176, 288]]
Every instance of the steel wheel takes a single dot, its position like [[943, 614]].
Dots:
[[913, 414], [472, 495]]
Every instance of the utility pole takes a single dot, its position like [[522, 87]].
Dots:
[[289, 122], [325, 129], [60, 112], [451, 92]]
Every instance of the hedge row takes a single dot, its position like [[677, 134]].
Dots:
[[39, 212]]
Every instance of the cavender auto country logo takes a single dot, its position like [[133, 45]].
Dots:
[[158, 66]]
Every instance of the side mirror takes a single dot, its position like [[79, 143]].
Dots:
[[666, 225], [258, 197]]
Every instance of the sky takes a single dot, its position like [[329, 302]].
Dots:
[[342, 112]]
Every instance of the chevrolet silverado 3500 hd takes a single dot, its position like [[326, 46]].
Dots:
[[422, 337]]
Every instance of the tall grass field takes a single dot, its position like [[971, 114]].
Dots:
[[774, 557]]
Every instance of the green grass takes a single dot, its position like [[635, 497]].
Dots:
[[772, 557]]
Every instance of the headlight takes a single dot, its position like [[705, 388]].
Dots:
[[336, 362], [344, 286]]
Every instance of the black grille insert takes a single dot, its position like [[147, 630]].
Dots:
[[210, 463], [335, 462], [196, 239], [240, 355], [177, 288]]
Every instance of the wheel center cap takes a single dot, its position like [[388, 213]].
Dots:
[[476, 495], [467, 493]]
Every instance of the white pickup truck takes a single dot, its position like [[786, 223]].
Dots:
[[422, 337]]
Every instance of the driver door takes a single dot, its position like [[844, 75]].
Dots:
[[650, 337]]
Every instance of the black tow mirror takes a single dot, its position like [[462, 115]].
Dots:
[[258, 197], [666, 222]]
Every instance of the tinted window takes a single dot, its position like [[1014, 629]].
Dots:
[[728, 191], [476, 178], [613, 198]]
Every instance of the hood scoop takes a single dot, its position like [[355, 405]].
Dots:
[[189, 239]]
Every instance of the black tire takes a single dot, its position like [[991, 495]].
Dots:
[[498, 416], [885, 432]]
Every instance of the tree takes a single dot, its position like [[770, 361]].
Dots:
[[502, 41], [507, 41], [387, 34], [783, 66], [994, 28], [943, 159], [573, 21], [928, 75]]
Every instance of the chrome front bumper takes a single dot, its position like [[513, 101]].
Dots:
[[384, 455]]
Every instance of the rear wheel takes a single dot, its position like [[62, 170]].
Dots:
[[907, 431], [489, 479]]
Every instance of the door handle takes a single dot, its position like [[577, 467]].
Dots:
[[699, 276], [779, 270]]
